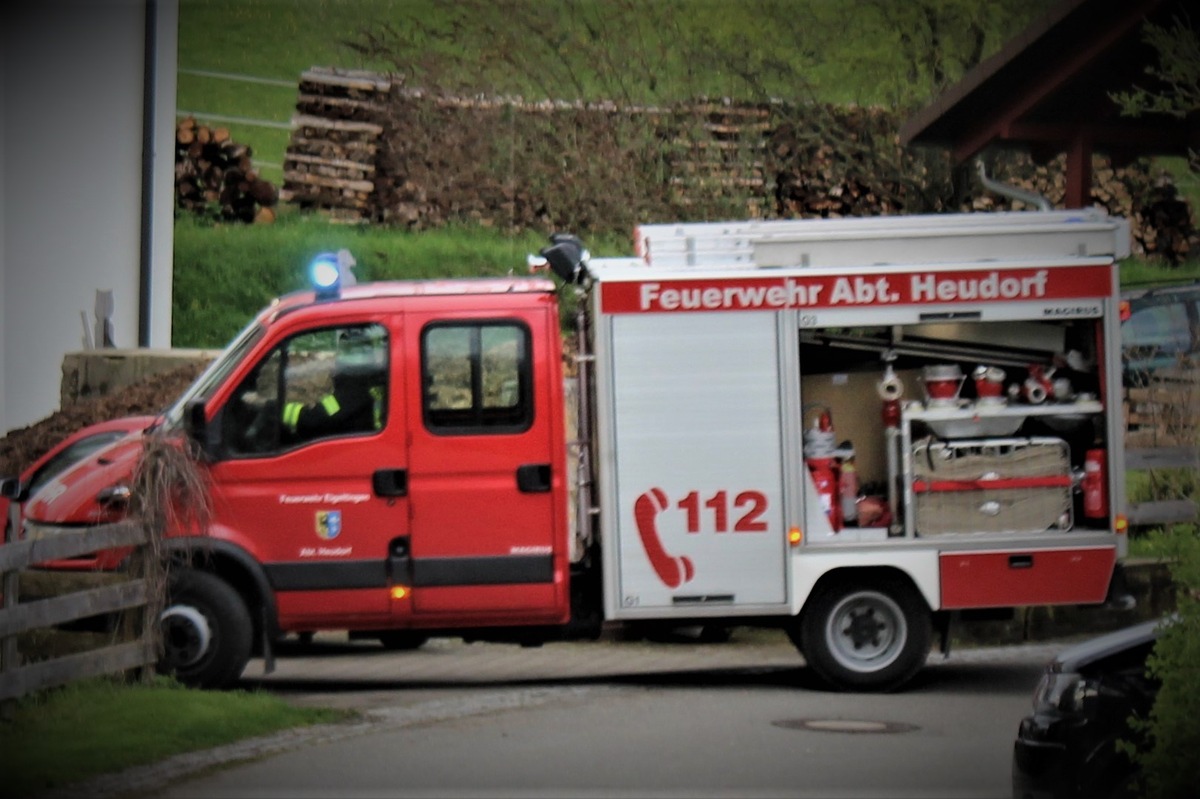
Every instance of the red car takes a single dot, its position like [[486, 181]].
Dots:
[[71, 450]]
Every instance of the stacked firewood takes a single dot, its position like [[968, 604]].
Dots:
[[330, 161], [1161, 223], [366, 148], [716, 151], [215, 177]]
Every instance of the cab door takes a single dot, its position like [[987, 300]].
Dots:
[[316, 498], [486, 470]]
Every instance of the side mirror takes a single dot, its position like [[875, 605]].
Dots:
[[11, 489], [195, 423], [566, 256]]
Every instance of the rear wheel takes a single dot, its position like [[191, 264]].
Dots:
[[206, 629], [865, 635]]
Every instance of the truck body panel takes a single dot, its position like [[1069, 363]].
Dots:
[[986, 290], [697, 498]]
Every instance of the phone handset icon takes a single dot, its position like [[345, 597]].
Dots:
[[673, 571]]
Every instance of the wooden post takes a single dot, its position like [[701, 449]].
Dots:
[[1079, 172], [139, 624], [8, 647]]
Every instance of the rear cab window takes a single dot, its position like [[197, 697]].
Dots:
[[477, 377]]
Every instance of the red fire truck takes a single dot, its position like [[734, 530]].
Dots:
[[856, 430]]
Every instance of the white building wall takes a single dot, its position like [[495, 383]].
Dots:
[[71, 132]]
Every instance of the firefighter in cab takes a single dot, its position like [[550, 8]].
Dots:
[[356, 402]]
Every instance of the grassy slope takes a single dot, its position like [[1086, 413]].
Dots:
[[280, 39], [272, 39]]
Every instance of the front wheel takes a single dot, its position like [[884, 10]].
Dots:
[[402, 640], [206, 631], [866, 634]]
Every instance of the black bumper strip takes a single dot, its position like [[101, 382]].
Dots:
[[425, 572], [494, 570], [326, 575]]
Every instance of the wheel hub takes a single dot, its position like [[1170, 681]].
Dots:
[[864, 629], [186, 635]]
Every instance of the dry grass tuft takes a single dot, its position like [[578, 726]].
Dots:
[[170, 493]]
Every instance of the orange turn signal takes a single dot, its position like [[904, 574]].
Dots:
[[399, 592], [795, 536], [1122, 524]]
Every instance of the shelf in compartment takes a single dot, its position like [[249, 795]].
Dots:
[[970, 420]]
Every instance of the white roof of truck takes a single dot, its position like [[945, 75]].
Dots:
[[885, 240]]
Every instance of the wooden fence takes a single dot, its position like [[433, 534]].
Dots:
[[133, 592], [1162, 432]]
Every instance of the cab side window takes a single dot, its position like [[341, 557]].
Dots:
[[318, 384], [477, 378]]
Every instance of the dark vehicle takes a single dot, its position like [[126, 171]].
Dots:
[[1162, 326], [1081, 708]]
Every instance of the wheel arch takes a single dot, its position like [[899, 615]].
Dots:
[[240, 569], [918, 568], [868, 575]]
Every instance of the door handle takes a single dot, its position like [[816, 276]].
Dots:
[[533, 478], [390, 483], [1020, 561]]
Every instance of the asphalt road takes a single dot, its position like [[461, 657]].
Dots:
[[741, 719]]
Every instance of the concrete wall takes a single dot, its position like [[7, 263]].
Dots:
[[92, 374], [72, 74]]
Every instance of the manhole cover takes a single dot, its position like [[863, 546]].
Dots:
[[844, 725]]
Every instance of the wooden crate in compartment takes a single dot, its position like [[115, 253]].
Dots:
[[991, 485]]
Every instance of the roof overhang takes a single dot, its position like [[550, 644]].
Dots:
[[1049, 89]]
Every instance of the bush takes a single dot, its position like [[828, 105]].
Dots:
[[1169, 766]]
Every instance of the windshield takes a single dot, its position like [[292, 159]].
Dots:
[[215, 374]]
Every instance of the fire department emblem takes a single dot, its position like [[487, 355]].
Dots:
[[329, 524]]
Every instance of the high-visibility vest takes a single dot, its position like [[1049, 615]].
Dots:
[[292, 410]]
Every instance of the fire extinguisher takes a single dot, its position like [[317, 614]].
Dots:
[[822, 465], [1095, 489]]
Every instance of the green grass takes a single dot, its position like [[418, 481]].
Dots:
[[641, 51], [225, 273], [1154, 543], [1136, 273], [203, 94], [280, 38], [271, 39], [61, 736]]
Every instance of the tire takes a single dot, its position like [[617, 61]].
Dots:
[[715, 634], [206, 630], [866, 634], [402, 640]]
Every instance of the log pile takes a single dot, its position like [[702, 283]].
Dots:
[[830, 161], [719, 151], [215, 177], [330, 161], [366, 149], [1161, 222]]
